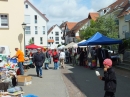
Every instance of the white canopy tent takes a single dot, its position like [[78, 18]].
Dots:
[[69, 45], [61, 47], [76, 44]]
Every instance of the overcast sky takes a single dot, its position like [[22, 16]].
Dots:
[[58, 11]]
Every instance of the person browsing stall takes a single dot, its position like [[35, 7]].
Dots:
[[20, 57]]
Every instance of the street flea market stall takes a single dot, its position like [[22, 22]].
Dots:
[[99, 39], [10, 80]]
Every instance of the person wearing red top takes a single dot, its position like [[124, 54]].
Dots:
[[55, 59]]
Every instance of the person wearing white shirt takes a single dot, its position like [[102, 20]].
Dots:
[[62, 58]]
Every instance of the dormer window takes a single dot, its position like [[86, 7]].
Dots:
[[26, 6], [104, 11]]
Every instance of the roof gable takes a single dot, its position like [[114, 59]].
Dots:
[[70, 25], [93, 15], [43, 15], [79, 25], [63, 24], [53, 27]]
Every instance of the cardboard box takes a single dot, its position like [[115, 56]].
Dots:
[[24, 80]]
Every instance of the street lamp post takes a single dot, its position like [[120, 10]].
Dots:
[[24, 27]]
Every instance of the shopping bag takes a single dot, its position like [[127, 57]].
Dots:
[[89, 55], [89, 63], [47, 60]]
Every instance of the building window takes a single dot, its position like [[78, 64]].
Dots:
[[27, 19], [56, 33], [43, 32], [27, 30], [51, 32], [43, 29], [4, 21], [35, 18], [26, 6], [36, 31], [61, 32], [41, 40], [52, 37], [57, 38], [124, 29], [57, 42]]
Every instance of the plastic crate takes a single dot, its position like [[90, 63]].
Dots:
[[13, 60]]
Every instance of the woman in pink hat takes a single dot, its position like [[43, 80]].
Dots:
[[109, 78]]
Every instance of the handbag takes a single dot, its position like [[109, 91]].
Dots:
[[47, 60]]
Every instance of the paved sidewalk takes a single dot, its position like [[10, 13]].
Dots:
[[51, 85]]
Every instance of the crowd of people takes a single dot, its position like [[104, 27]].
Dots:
[[89, 57], [41, 58]]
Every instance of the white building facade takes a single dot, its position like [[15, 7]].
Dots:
[[55, 35], [36, 25]]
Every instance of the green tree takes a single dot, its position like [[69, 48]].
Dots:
[[105, 25], [30, 41], [87, 32]]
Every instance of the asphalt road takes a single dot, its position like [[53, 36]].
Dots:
[[88, 83]]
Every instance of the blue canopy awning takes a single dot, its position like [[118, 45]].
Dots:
[[99, 39]]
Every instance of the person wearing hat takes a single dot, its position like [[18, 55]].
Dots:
[[38, 60], [109, 78]]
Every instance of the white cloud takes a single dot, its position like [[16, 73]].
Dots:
[[99, 4], [68, 10]]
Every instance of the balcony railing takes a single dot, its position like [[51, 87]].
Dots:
[[127, 35]]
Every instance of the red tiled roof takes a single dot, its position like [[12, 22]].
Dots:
[[79, 25], [126, 10], [119, 4], [63, 24], [70, 25], [43, 15], [50, 40], [93, 15]]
